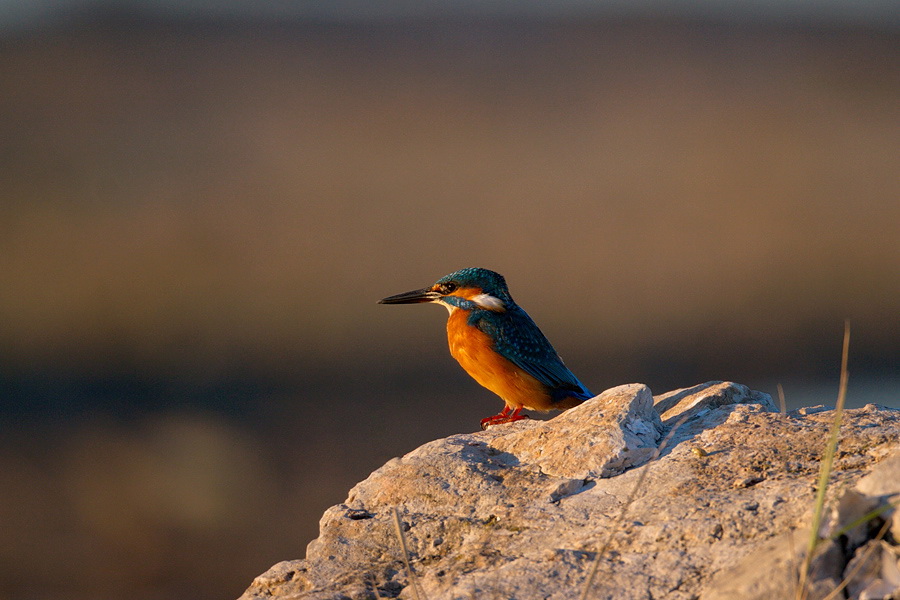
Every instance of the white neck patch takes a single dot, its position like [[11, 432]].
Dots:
[[450, 308], [488, 302]]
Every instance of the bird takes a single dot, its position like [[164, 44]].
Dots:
[[499, 345]]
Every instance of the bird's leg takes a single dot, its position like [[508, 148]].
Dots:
[[504, 417], [488, 421]]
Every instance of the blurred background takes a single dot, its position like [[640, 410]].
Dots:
[[203, 201]]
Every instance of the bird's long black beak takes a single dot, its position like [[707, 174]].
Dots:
[[413, 297]]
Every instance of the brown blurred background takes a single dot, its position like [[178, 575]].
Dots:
[[199, 212]]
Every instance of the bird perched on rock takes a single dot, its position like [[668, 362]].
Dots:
[[498, 344]]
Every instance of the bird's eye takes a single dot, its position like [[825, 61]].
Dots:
[[449, 288]]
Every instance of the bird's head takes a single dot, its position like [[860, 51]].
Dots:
[[466, 288]]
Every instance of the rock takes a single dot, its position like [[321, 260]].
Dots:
[[894, 515], [864, 568], [700, 399], [524, 510], [874, 572], [771, 571], [624, 433], [884, 481], [851, 507]]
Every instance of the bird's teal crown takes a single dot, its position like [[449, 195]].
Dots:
[[489, 282]]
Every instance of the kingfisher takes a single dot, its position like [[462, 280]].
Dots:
[[498, 344]]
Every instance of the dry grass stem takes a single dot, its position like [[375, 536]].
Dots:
[[413, 580], [834, 593], [826, 468], [864, 519]]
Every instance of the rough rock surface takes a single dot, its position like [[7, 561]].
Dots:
[[522, 510]]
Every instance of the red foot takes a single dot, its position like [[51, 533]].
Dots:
[[503, 417]]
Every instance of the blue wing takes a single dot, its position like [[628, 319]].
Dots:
[[518, 339]]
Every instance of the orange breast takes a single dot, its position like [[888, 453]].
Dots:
[[472, 348]]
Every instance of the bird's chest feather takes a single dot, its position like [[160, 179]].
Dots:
[[474, 350], [469, 345]]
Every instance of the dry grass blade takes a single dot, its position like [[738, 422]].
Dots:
[[864, 519], [782, 405], [413, 580], [595, 568], [827, 467], [865, 558]]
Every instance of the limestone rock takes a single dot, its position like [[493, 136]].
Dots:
[[700, 399], [885, 481], [624, 433], [772, 571], [524, 509]]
